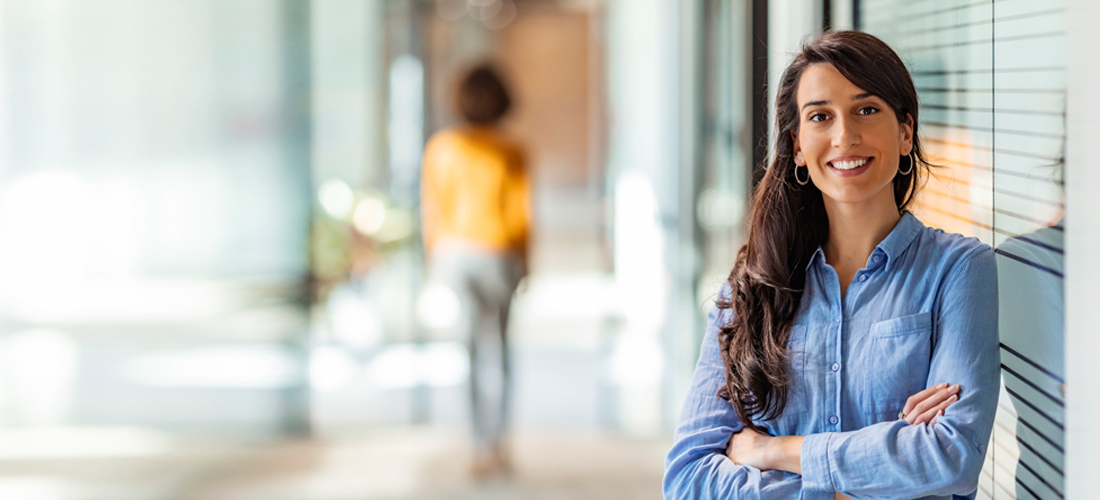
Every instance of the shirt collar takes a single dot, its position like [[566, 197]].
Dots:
[[819, 254], [892, 246], [899, 239]]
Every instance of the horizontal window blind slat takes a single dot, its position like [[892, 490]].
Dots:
[[1038, 477], [1035, 452], [1054, 399], [1029, 361], [889, 17], [1024, 260]]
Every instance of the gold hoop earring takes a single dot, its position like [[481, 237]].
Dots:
[[800, 181], [907, 172]]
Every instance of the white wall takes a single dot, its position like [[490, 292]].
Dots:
[[1082, 268]]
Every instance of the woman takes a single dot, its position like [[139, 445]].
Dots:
[[476, 221], [854, 350]]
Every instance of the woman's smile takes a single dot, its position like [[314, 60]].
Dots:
[[850, 166]]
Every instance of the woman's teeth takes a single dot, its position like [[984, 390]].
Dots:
[[848, 165]]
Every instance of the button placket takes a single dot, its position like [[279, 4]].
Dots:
[[835, 380]]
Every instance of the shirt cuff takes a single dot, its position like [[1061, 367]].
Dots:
[[817, 478]]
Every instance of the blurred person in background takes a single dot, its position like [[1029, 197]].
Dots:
[[475, 205]]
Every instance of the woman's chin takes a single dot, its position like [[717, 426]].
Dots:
[[850, 192]]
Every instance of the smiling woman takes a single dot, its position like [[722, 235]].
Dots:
[[896, 380], [846, 132]]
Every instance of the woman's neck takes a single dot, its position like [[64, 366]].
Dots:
[[855, 229]]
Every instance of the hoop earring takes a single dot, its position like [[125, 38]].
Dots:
[[907, 172], [800, 181]]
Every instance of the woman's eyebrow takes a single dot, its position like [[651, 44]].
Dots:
[[814, 103], [856, 97]]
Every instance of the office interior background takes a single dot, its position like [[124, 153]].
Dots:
[[212, 282]]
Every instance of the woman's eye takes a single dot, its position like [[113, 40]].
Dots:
[[868, 110], [817, 117]]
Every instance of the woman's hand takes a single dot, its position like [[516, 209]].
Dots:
[[924, 406], [749, 447], [756, 449]]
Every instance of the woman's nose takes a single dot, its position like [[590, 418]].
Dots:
[[846, 133]]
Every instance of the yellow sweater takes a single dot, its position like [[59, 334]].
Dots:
[[474, 187]]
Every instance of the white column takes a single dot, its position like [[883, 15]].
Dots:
[[1082, 241], [644, 96], [842, 15], [789, 23]]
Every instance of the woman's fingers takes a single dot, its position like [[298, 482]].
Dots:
[[920, 403], [921, 396], [929, 416]]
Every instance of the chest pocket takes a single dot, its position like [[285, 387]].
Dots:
[[798, 397], [899, 353]]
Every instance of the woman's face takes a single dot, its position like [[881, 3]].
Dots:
[[851, 141]]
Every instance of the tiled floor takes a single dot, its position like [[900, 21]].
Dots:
[[396, 463], [572, 413]]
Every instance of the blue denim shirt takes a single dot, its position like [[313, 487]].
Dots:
[[923, 311]]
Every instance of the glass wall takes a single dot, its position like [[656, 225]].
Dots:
[[991, 78], [725, 138], [155, 208]]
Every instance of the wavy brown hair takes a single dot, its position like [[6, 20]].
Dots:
[[788, 222]]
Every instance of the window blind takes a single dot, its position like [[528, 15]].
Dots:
[[991, 80]]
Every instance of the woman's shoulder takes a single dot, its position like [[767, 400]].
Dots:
[[953, 259], [452, 137], [485, 140], [950, 247], [445, 142]]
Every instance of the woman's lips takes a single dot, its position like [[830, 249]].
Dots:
[[852, 172]]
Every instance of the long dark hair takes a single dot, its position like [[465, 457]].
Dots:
[[788, 222]]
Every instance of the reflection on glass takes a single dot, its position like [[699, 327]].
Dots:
[[1030, 272], [991, 76]]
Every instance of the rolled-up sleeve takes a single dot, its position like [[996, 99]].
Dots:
[[697, 466], [897, 460]]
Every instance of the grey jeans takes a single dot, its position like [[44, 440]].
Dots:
[[483, 282]]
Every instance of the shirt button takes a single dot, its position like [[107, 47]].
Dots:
[[863, 277], [836, 366], [833, 420], [838, 319], [876, 258]]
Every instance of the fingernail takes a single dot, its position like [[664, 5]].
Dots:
[[942, 385], [952, 399], [955, 388], [940, 414]]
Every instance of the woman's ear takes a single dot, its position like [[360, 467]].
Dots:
[[906, 139], [798, 160]]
